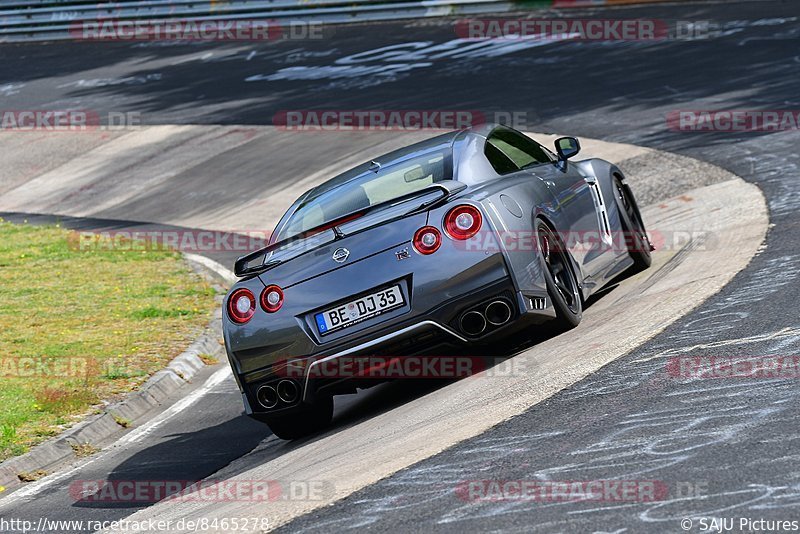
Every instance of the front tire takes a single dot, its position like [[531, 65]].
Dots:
[[559, 276], [638, 244], [307, 420]]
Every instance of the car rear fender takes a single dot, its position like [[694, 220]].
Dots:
[[511, 204]]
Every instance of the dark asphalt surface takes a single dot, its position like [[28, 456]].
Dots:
[[725, 448]]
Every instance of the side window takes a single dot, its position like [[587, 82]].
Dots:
[[521, 150], [501, 163]]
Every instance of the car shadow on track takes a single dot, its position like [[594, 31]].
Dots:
[[182, 460]]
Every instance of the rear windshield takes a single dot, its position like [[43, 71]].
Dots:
[[366, 186]]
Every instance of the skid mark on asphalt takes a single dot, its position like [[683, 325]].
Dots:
[[395, 62], [111, 82], [9, 89], [781, 171], [792, 335], [776, 273], [669, 266]]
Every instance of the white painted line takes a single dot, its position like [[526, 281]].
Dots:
[[215, 266], [138, 434]]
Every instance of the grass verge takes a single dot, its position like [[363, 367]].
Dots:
[[80, 327]]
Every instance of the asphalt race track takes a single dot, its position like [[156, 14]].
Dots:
[[725, 448]]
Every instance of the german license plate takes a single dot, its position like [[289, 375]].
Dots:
[[359, 309]]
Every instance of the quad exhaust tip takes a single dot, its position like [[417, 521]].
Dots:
[[498, 312], [287, 391], [267, 397], [473, 323]]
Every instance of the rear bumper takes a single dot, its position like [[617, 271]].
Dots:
[[433, 334]]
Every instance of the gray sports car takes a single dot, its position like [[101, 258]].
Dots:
[[446, 246]]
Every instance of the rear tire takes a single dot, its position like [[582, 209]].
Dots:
[[305, 421], [559, 276], [638, 244]]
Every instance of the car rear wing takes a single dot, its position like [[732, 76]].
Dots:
[[276, 253]]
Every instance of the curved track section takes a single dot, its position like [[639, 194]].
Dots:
[[692, 228], [397, 452]]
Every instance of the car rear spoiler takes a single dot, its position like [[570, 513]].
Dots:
[[243, 266]]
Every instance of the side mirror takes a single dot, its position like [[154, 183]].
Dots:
[[567, 147]]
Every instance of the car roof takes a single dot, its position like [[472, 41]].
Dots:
[[439, 142], [443, 141]]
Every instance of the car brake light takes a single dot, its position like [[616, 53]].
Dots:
[[463, 222], [241, 306], [427, 240], [272, 299]]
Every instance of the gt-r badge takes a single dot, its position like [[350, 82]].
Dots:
[[340, 255], [402, 254]]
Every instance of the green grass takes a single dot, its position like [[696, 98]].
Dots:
[[78, 327]]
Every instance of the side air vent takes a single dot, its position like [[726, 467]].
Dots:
[[602, 213], [538, 303]]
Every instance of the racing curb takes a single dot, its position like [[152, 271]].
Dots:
[[102, 429]]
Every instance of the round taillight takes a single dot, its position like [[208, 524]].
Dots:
[[427, 240], [463, 222], [241, 305], [272, 299]]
